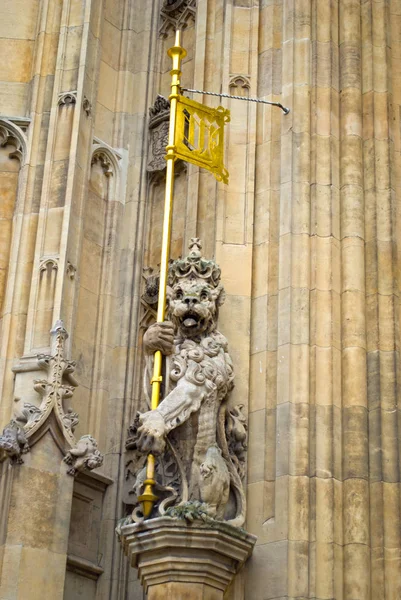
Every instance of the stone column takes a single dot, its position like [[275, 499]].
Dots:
[[195, 561], [354, 382]]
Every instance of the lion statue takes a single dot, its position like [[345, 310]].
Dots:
[[191, 432]]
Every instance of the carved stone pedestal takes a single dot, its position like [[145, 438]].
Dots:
[[195, 561]]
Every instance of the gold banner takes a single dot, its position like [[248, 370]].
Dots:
[[199, 136]]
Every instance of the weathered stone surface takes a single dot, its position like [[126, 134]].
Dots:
[[168, 551], [307, 235], [194, 430]]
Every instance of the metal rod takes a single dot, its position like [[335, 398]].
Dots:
[[177, 53], [258, 100]]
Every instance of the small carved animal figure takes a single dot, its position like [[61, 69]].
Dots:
[[14, 442], [214, 482], [84, 456]]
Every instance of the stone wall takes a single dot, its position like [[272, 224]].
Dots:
[[306, 235]]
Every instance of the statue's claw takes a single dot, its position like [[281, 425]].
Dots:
[[151, 433]]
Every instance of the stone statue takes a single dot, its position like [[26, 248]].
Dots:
[[199, 441], [84, 456], [13, 441]]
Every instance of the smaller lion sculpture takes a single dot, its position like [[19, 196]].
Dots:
[[84, 456]]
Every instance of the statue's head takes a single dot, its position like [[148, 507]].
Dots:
[[194, 293]]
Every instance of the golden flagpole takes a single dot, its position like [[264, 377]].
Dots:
[[177, 53]]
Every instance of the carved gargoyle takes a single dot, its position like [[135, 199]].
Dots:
[[13, 441], [85, 456], [192, 423]]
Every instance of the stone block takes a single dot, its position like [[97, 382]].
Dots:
[[266, 575]]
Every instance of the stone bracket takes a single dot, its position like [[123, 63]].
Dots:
[[166, 550]]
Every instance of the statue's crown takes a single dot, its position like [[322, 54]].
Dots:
[[194, 266]]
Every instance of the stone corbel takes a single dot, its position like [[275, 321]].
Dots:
[[30, 421]]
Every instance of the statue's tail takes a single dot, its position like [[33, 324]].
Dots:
[[235, 479]]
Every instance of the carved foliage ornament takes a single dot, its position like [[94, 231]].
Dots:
[[176, 14], [198, 438], [54, 390]]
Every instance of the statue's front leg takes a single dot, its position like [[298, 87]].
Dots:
[[154, 425]]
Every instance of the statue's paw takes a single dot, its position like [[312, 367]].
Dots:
[[159, 336], [151, 433], [68, 459]]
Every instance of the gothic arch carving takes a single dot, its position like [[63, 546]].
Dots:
[[239, 85], [11, 134], [110, 162], [108, 158]]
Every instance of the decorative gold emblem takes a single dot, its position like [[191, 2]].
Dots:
[[200, 136]]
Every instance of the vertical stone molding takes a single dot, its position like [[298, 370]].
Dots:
[[13, 150]]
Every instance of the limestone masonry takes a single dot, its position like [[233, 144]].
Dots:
[[302, 450]]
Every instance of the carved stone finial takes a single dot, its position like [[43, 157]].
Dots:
[[57, 387]]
